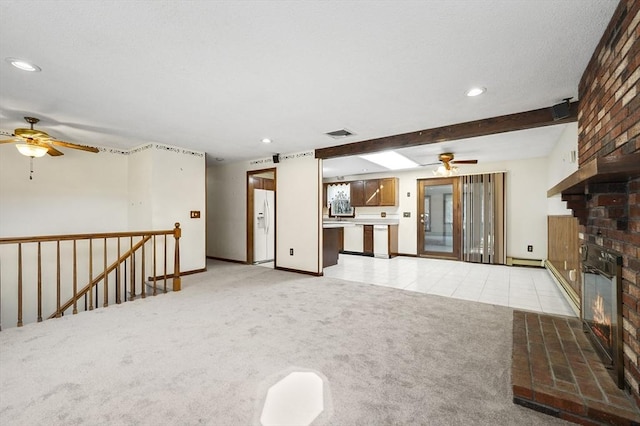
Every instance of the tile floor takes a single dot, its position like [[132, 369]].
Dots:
[[525, 288]]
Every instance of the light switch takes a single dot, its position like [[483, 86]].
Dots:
[[195, 214]]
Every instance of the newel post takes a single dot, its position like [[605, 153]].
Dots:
[[177, 233]]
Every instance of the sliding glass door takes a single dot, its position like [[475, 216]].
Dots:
[[439, 218]]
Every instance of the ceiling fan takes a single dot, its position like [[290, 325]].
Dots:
[[446, 168], [36, 143]]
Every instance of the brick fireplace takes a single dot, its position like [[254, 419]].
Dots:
[[604, 193]]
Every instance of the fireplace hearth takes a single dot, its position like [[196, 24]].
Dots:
[[601, 309]]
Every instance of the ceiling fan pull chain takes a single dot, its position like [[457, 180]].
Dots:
[[31, 168]]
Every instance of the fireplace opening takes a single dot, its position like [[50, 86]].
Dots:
[[601, 309]]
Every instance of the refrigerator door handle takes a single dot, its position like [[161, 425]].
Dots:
[[267, 219]]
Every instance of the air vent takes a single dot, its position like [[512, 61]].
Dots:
[[342, 133]]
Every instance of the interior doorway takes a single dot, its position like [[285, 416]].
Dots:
[[439, 218], [261, 217]]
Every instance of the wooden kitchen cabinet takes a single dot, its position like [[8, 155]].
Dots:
[[388, 191], [371, 192], [357, 193], [368, 240]]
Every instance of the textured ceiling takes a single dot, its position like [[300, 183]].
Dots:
[[218, 76]]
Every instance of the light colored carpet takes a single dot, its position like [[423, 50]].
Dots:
[[208, 354]]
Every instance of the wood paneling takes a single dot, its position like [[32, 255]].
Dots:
[[488, 126], [562, 250]]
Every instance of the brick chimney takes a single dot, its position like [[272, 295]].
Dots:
[[607, 201]]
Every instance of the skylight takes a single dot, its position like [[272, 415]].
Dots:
[[390, 160]]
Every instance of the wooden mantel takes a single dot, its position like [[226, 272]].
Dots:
[[575, 188]]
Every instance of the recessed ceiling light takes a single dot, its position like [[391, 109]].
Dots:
[[23, 65], [476, 91], [391, 160], [266, 140]]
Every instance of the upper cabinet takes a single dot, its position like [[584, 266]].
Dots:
[[357, 193], [365, 193], [374, 192], [371, 192], [388, 192]]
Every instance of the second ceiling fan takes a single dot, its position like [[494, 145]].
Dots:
[[447, 159]]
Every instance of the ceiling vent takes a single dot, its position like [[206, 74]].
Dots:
[[338, 134]]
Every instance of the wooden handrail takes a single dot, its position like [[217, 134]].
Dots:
[[69, 237]]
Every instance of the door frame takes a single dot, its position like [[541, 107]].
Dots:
[[457, 218], [249, 221]]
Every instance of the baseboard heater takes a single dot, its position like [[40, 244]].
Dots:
[[516, 261]]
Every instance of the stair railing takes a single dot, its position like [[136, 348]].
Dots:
[[38, 267]]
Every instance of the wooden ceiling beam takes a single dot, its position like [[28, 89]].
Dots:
[[488, 126]]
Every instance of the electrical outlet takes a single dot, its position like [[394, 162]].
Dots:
[[383, 214], [195, 214], [408, 194], [290, 252], [406, 214], [529, 249]]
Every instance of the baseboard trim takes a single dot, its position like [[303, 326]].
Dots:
[[182, 274], [242, 262], [516, 261], [298, 271], [356, 253], [569, 293]]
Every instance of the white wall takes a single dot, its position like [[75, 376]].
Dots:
[[179, 181], [560, 165], [298, 197], [140, 186], [298, 223], [75, 193]]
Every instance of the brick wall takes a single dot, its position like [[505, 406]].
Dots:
[[609, 125]]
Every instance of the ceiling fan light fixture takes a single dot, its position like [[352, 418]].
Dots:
[[31, 150], [442, 171], [476, 91], [23, 65]]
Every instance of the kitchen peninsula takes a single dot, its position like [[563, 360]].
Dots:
[[367, 237]]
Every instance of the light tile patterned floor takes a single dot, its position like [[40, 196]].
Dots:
[[531, 289]]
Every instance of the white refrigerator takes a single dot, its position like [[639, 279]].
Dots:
[[263, 225]]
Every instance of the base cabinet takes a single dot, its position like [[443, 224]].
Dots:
[[332, 241], [368, 239], [371, 240], [353, 239]]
